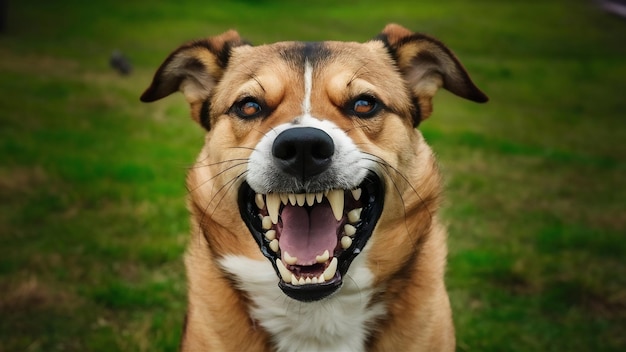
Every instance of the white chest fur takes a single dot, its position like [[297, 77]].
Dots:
[[337, 323]]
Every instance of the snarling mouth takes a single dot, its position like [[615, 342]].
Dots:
[[312, 238]]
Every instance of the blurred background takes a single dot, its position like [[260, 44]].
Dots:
[[93, 223]]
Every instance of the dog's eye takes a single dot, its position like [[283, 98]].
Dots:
[[247, 108], [250, 108], [365, 106]]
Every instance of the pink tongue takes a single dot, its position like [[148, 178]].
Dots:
[[305, 235]]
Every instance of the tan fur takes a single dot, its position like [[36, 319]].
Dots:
[[408, 248]]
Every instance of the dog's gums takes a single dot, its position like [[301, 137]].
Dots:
[[311, 238]]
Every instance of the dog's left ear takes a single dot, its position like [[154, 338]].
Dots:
[[194, 69], [427, 65]]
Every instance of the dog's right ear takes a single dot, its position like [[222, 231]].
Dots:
[[194, 69]]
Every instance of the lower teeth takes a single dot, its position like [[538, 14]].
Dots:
[[288, 276]]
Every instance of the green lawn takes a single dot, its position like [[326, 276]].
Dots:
[[93, 222]]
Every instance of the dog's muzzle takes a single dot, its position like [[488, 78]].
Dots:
[[312, 235]]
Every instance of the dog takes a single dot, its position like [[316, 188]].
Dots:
[[314, 199]]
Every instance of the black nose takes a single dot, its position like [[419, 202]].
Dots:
[[303, 152]]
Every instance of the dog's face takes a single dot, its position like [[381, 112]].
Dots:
[[311, 155]]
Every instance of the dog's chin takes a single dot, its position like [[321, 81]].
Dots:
[[312, 238]]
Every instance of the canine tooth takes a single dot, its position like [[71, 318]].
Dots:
[[284, 272], [308, 280], [273, 205], [266, 223], [258, 199], [284, 198], [270, 235], [335, 198], [354, 215], [301, 281], [289, 259], [274, 245], [356, 193], [322, 258], [349, 230], [321, 280], [292, 198], [346, 242], [319, 196], [300, 199], [329, 273], [294, 281], [310, 199]]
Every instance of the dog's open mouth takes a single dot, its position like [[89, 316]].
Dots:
[[311, 238]]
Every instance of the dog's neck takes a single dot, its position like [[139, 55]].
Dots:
[[341, 322]]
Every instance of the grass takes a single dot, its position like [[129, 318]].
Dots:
[[92, 199]]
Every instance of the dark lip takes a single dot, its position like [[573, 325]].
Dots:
[[372, 198]]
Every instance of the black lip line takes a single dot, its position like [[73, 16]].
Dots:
[[373, 189]]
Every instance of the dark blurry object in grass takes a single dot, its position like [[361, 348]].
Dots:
[[120, 63], [617, 7], [3, 15]]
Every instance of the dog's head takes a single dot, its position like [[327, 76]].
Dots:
[[315, 145]]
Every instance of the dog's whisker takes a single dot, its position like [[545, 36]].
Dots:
[[201, 160], [217, 175], [264, 134], [356, 284], [356, 124], [272, 129], [240, 163], [198, 165], [386, 167], [241, 147], [395, 186], [230, 184], [405, 179]]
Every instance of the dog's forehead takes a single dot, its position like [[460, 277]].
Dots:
[[340, 70], [295, 54]]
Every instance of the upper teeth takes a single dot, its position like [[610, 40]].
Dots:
[[356, 193], [258, 199], [270, 235], [349, 230], [310, 199], [266, 223], [335, 199], [274, 246], [300, 199], [273, 205], [292, 198]]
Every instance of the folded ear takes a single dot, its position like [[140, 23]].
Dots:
[[427, 64], [194, 69]]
